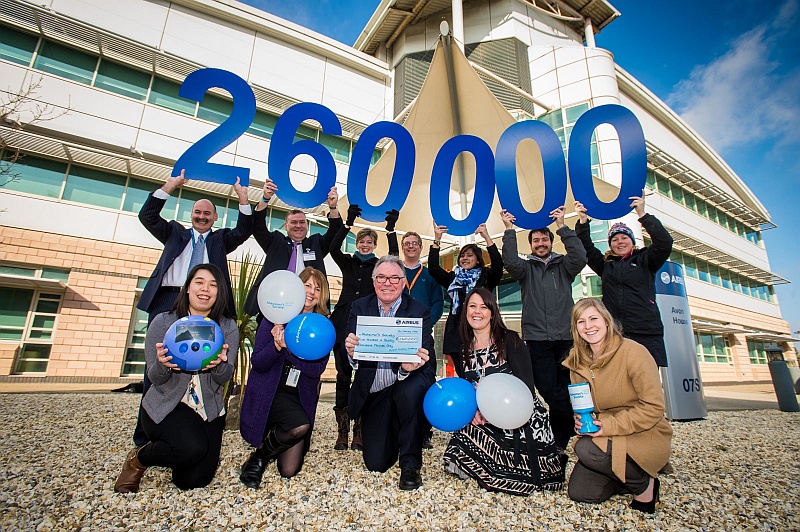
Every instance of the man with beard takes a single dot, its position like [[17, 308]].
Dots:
[[184, 249], [545, 279]]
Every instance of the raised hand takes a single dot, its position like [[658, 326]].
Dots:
[[353, 212], [391, 219], [581, 210], [558, 216], [508, 219]]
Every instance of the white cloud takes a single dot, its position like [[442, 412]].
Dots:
[[747, 95]]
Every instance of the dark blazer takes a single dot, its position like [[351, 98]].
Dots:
[[356, 278], [175, 237], [365, 375], [278, 248]]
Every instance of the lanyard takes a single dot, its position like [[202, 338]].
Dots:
[[410, 286]]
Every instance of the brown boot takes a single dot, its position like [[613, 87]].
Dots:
[[356, 445], [132, 471], [343, 421]]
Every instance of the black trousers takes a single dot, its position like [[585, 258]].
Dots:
[[392, 424], [185, 443], [162, 302], [344, 376], [592, 479], [551, 380]]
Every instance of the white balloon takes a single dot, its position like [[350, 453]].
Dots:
[[504, 400], [281, 296]]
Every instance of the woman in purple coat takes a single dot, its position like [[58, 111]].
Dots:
[[280, 400]]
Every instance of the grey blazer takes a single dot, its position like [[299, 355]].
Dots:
[[168, 387]]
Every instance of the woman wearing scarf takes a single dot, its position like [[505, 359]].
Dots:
[[356, 283], [470, 273]]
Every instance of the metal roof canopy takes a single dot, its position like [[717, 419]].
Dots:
[[157, 172], [387, 23], [770, 337], [32, 283], [717, 257], [53, 26], [700, 186], [716, 328]]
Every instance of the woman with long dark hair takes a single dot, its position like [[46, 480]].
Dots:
[[184, 411], [634, 439], [280, 400], [517, 461], [470, 272]]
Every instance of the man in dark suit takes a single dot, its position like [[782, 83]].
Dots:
[[183, 249], [295, 250], [181, 244], [388, 395]]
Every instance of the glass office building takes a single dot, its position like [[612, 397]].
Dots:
[[104, 83]]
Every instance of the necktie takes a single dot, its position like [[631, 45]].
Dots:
[[293, 258], [197, 253]]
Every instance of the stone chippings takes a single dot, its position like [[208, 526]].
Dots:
[[62, 452]]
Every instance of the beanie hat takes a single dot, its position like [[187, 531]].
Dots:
[[620, 228]]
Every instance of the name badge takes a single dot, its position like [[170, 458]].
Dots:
[[293, 377], [309, 255]]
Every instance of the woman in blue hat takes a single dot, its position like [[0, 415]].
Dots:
[[628, 274]]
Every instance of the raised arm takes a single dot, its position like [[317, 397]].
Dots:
[[150, 213], [511, 259], [594, 257]]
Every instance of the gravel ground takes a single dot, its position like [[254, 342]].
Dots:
[[62, 453]]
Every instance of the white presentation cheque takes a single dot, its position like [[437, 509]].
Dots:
[[388, 339]]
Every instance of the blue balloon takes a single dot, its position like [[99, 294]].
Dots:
[[309, 336], [193, 342], [450, 404]]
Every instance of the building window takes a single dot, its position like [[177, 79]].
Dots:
[[711, 348], [33, 175], [758, 351], [509, 297], [594, 286], [122, 80], [94, 187], [214, 109], [165, 94], [65, 62], [16, 46], [29, 317], [134, 362], [676, 193]]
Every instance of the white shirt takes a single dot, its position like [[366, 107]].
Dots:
[[177, 271]]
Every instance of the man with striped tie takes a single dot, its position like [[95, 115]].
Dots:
[[184, 248]]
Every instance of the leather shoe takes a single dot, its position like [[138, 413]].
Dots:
[[427, 443], [410, 479], [253, 470], [648, 507], [131, 474]]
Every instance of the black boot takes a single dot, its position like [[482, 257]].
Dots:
[[343, 421], [268, 451], [253, 469]]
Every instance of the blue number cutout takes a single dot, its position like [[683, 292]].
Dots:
[[283, 149], [634, 160], [553, 165], [405, 157], [441, 176], [195, 160]]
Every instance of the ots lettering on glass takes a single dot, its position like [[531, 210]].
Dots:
[[492, 171]]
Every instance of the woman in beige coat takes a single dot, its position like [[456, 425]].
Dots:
[[634, 439]]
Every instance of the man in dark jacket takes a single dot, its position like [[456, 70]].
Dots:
[[295, 250], [545, 279], [388, 395]]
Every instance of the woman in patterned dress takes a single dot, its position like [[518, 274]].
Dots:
[[517, 461]]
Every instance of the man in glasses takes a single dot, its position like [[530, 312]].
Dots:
[[388, 395], [422, 287]]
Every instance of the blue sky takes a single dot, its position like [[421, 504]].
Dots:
[[730, 69]]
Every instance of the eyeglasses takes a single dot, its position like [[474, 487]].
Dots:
[[394, 279], [411, 244]]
